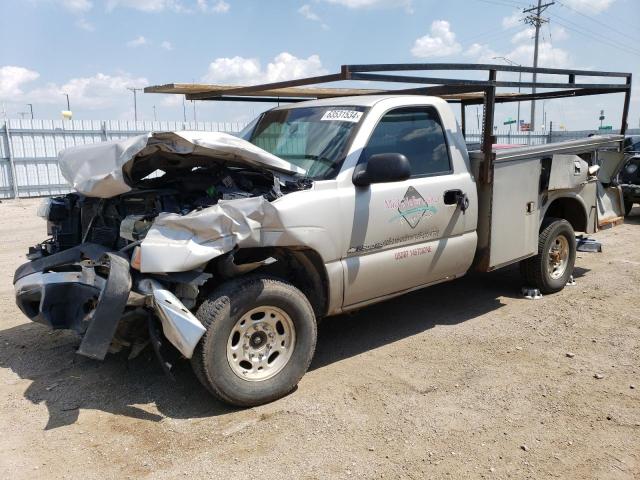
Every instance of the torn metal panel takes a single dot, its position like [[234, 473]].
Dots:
[[177, 243], [111, 168]]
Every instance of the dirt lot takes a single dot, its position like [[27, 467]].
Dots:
[[462, 380]]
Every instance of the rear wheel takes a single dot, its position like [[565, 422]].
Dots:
[[260, 339], [550, 269]]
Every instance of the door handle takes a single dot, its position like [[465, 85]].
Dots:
[[456, 197]]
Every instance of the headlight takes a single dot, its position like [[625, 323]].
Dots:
[[631, 168], [44, 208]]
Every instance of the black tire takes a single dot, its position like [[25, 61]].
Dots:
[[535, 269], [628, 205], [220, 312]]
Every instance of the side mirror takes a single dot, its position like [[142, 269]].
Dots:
[[382, 168]]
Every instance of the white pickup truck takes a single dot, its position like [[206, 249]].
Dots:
[[229, 250]]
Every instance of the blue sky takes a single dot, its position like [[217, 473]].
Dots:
[[95, 49]]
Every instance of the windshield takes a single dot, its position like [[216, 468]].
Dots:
[[314, 138]]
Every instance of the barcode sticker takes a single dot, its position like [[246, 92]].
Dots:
[[342, 116]]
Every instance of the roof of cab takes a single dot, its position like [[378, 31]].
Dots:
[[355, 101]]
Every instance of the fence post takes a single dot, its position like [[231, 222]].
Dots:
[[12, 165], [103, 128]]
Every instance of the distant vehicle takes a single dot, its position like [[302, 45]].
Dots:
[[629, 178]]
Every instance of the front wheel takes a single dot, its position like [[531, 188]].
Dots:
[[260, 339], [550, 269]]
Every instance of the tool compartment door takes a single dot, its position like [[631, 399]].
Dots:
[[514, 211]]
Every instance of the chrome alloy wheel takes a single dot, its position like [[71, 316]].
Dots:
[[261, 343], [558, 257]]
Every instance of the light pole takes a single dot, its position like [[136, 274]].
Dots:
[[31, 109], [68, 105], [135, 101], [155, 118], [511, 62]]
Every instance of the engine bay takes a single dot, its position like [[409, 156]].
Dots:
[[73, 219]]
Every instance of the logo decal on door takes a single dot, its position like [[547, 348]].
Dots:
[[413, 207]]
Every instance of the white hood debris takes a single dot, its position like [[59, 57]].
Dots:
[[105, 169]]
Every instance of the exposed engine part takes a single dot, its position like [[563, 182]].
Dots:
[[134, 227], [115, 222]]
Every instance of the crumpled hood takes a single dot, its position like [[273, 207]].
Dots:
[[109, 168]]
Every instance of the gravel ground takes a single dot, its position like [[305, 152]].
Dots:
[[461, 380]]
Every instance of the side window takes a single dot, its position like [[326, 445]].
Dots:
[[417, 134]]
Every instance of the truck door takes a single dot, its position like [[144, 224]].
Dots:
[[414, 232]]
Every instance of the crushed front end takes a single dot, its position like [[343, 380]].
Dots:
[[125, 262]]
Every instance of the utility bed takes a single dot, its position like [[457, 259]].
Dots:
[[523, 180]]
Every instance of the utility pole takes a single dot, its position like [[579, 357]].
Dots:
[[31, 109], [536, 20], [135, 101], [184, 109]]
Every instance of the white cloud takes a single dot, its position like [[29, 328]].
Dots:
[[512, 20], [439, 43], [558, 34], [177, 6], [355, 4], [591, 6], [77, 6], [523, 35], [147, 5], [548, 55], [84, 24], [171, 100], [90, 93], [12, 78], [139, 41], [307, 12], [218, 7], [483, 53], [240, 70], [166, 44]]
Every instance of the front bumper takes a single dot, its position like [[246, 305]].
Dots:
[[87, 288], [65, 291]]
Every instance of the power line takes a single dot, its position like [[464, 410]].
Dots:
[[594, 35], [611, 29], [493, 34]]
